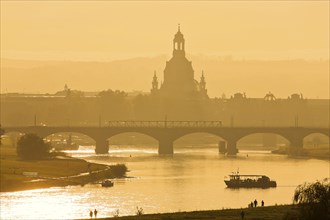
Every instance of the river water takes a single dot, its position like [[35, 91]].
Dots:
[[191, 179]]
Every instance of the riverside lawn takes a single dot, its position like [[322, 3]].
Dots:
[[58, 171]]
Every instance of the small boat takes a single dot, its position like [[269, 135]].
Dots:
[[107, 183], [237, 180]]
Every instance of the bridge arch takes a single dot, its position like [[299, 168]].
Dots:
[[262, 140], [324, 133], [124, 140], [261, 132], [69, 140], [183, 134], [316, 140], [191, 140], [144, 132]]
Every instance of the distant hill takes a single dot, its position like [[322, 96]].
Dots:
[[223, 75]]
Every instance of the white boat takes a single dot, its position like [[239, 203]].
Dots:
[[237, 180]]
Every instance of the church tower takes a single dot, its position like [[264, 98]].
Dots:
[[179, 82], [154, 87], [178, 74], [202, 86]]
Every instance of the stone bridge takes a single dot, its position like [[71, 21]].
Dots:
[[166, 132]]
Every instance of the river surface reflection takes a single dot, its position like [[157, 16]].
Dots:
[[191, 179]]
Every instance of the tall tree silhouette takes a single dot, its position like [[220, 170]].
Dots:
[[32, 147], [314, 199]]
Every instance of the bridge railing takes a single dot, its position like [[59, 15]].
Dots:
[[165, 124]]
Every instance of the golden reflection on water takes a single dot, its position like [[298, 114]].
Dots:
[[33, 204], [187, 181]]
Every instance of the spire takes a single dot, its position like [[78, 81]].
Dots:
[[202, 82], [202, 85], [178, 43], [202, 78], [154, 87]]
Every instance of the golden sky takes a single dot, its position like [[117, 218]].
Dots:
[[105, 30]]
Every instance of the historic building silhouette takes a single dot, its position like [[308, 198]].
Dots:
[[179, 79]]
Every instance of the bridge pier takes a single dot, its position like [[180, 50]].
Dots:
[[102, 146], [231, 147], [165, 146], [222, 147], [297, 142], [296, 146]]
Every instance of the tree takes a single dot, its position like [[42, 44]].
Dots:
[[314, 199], [32, 147]]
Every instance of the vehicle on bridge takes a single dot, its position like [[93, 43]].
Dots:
[[237, 180]]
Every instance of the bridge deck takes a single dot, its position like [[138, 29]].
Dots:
[[165, 124]]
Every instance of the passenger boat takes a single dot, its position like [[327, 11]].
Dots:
[[107, 183], [237, 180]]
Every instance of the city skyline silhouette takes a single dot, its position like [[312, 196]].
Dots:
[[156, 109]]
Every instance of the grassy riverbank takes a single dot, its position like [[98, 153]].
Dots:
[[264, 213], [59, 171]]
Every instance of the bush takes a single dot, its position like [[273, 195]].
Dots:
[[139, 211], [32, 147], [118, 170], [313, 199]]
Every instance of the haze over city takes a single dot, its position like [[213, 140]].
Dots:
[[132, 39]]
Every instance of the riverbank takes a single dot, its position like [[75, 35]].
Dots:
[[321, 153], [17, 174], [264, 213]]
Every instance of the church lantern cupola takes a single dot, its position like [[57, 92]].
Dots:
[[178, 44]]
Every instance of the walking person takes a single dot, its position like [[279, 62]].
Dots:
[[95, 213], [255, 203], [91, 214], [262, 203], [242, 214]]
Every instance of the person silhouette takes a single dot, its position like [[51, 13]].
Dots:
[[255, 203], [242, 214], [91, 214], [262, 203], [95, 213]]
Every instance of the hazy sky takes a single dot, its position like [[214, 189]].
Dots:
[[105, 30]]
